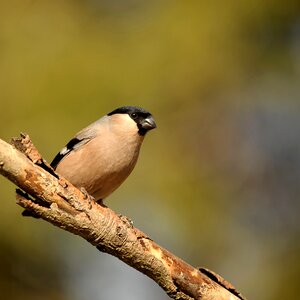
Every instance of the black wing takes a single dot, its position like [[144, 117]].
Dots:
[[81, 138], [73, 144]]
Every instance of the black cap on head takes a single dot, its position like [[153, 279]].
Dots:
[[129, 110], [142, 117]]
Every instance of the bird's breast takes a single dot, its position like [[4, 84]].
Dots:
[[101, 165]]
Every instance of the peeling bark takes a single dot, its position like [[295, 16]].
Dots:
[[49, 196]]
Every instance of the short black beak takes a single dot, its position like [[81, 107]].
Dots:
[[148, 123]]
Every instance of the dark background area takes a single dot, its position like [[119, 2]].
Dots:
[[217, 183]]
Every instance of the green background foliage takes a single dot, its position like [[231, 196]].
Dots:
[[217, 183]]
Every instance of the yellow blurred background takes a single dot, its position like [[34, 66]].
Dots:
[[217, 183]]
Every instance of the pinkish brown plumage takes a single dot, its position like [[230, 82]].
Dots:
[[101, 156]]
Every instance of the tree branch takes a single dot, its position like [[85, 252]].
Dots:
[[48, 196]]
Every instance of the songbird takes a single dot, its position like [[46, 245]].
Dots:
[[101, 156]]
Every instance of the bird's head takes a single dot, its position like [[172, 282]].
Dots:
[[142, 118]]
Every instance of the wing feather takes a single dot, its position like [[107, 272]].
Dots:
[[83, 137]]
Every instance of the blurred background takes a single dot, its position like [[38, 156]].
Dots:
[[217, 183]]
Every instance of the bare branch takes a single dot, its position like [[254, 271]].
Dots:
[[52, 198]]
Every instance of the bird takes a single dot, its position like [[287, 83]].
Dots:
[[100, 157]]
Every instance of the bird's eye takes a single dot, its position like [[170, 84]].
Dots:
[[134, 115]]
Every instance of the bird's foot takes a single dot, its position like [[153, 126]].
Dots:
[[84, 192], [126, 220]]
